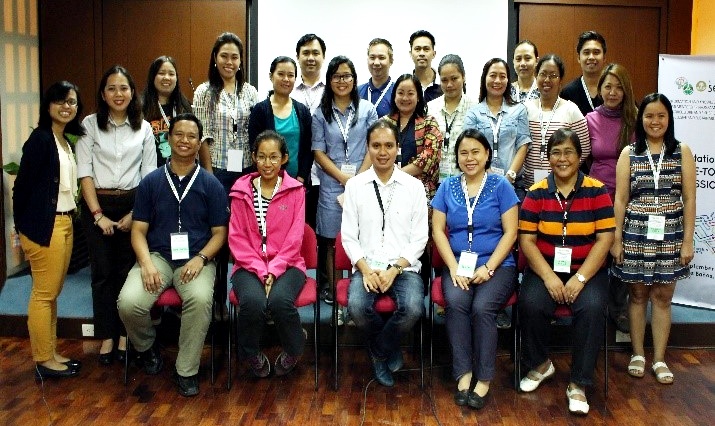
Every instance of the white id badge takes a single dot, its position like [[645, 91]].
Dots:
[[379, 260], [348, 169], [562, 259], [540, 175], [235, 160], [497, 170], [656, 227], [467, 264], [179, 245]]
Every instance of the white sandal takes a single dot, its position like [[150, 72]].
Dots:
[[664, 378], [528, 384], [576, 406], [636, 370]]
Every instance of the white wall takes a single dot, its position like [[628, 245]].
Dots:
[[20, 96], [475, 30]]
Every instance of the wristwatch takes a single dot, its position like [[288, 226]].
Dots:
[[489, 271], [580, 278], [398, 267], [511, 174], [203, 257]]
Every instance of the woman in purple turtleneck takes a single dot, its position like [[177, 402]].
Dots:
[[611, 125]]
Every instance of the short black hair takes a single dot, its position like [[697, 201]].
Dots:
[[422, 33], [58, 92], [552, 57], [307, 39], [383, 124], [188, 117], [562, 135], [479, 136], [588, 36]]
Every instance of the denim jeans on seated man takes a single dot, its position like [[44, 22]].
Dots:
[[384, 335]]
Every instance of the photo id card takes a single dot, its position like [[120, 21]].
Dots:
[[379, 261], [497, 170], [235, 160], [179, 245], [467, 264], [562, 259]]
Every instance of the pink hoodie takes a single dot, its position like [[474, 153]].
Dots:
[[285, 222]]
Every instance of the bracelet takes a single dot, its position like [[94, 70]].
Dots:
[[98, 219], [204, 257], [96, 212]]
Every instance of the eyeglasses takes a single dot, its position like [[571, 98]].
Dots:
[[342, 77], [274, 159], [545, 76], [556, 154], [70, 102]]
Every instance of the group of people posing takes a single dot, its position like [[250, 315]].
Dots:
[[596, 191]]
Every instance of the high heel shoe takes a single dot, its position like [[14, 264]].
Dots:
[[106, 359], [42, 372]]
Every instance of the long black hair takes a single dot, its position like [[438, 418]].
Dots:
[[58, 92], [215, 80], [483, 81], [134, 111], [326, 102], [421, 107], [669, 138], [150, 97]]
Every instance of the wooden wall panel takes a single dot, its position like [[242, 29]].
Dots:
[[210, 18], [67, 46], [632, 36]]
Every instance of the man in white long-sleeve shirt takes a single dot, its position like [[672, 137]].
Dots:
[[384, 233]]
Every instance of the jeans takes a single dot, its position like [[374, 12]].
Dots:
[[254, 306], [536, 308], [384, 335], [110, 258], [471, 317], [135, 302]]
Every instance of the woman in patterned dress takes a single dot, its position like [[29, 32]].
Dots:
[[655, 222]]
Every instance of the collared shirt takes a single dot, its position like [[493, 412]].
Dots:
[[219, 119], [309, 96], [383, 108], [575, 93], [513, 130], [590, 213], [118, 158], [204, 207], [455, 122], [433, 90], [406, 227]]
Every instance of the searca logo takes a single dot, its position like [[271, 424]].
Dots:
[[688, 88]]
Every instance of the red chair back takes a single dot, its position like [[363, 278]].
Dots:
[[342, 261], [309, 248]]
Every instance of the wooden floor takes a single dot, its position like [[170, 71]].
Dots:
[[98, 397]]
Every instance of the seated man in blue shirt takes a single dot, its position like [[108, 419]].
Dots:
[[180, 220], [384, 232]]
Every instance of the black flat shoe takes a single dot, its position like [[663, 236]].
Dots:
[[106, 359], [121, 355], [475, 401], [42, 372], [461, 397], [73, 364]]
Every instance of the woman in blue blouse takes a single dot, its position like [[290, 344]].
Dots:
[[480, 269], [503, 121], [339, 133]]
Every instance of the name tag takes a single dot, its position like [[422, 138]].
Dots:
[[467, 264], [656, 227], [179, 245], [497, 170], [379, 260], [348, 169], [540, 174], [235, 160], [562, 259]]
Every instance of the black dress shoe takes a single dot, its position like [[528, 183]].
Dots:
[[74, 364], [461, 397], [475, 401], [42, 372], [106, 359], [188, 386], [151, 360], [121, 355]]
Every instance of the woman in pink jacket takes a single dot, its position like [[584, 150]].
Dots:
[[265, 237]]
